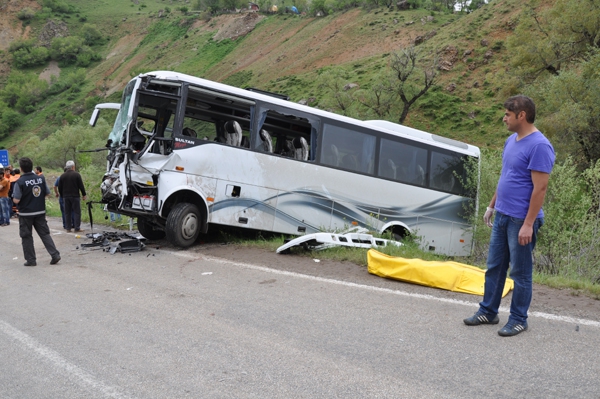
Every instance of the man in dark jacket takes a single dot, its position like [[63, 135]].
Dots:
[[69, 187], [29, 194]]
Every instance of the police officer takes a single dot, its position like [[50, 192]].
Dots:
[[30, 196]]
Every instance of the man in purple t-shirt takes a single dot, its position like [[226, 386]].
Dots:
[[527, 161]]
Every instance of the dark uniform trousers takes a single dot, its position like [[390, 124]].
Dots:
[[39, 223]]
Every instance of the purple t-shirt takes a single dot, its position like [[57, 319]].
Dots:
[[519, 158]]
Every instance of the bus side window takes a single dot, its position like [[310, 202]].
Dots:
[[402, 162], [354, 150], [284, 133], [349, 162], [388, 169], [445, 172]]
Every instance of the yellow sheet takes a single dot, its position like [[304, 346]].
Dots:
[[452, 276]]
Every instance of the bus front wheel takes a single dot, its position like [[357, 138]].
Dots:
[[183, 224], [147, 230]]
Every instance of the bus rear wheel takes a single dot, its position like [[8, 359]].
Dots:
[[183, 225], [147, 230], [398, 233]]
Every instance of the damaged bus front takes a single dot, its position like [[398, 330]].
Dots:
[[140, 152]]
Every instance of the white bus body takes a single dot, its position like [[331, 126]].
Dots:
[[186, 152]]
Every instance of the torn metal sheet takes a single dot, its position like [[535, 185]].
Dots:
[[320, 241]]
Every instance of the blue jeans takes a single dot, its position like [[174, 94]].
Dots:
[[5, 210], [504, 250]]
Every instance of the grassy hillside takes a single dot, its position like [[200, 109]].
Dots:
[[289, 53]]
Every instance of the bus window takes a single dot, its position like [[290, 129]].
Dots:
[[198, 128], [348, 149], [403, 162], [154, 119], [287, 135], [217, 117], [447, 172]]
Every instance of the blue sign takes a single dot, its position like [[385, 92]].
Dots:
[[4, 158]]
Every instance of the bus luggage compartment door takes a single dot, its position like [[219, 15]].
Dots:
[[244, 205]]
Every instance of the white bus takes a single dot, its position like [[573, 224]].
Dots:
[[187, 152]]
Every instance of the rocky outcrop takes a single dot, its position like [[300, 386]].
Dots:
[[51, 30], [425, 37], [448, 56], [403, 5]]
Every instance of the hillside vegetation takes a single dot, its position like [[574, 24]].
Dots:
[[58, 59], [283, 52]]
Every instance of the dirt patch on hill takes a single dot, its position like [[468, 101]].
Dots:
[[9, 29], [118, 65], [51, 70], [306, 43], [234, 27]]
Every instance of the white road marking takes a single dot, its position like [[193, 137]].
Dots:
[[55, 358], [543, 315]]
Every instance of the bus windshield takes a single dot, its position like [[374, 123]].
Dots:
[[123, 117]]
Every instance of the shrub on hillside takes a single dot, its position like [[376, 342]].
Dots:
[[32, 93], [91, 35], [9, 120], [65, 143], [318, 6], [59, 6], [21, 44], [69, 50], [67, 81], [30, 57], [23, 91], [26, 14]]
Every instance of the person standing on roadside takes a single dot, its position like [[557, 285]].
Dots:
[[15, 174], [30, 196], [527, 161], [5, 203], [61, 203], [69, 187]]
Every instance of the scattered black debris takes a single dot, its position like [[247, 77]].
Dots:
[[113, 242], [131, 246]]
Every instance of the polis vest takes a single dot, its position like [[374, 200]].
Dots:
[[33, 195]]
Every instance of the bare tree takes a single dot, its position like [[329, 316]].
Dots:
[[378, 98], [413, 80], [341, 97]]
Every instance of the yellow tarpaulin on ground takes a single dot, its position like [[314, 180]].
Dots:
[[452, 276]]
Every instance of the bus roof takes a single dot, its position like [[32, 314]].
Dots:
[[381, 125]]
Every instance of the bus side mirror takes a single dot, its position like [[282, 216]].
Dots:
[[94, 117]]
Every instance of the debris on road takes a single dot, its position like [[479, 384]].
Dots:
[[114, 242]]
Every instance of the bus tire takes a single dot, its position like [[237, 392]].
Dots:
[[398, 233], [183, 225], [147, 230]]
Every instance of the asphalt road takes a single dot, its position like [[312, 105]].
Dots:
[[163, 323]]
